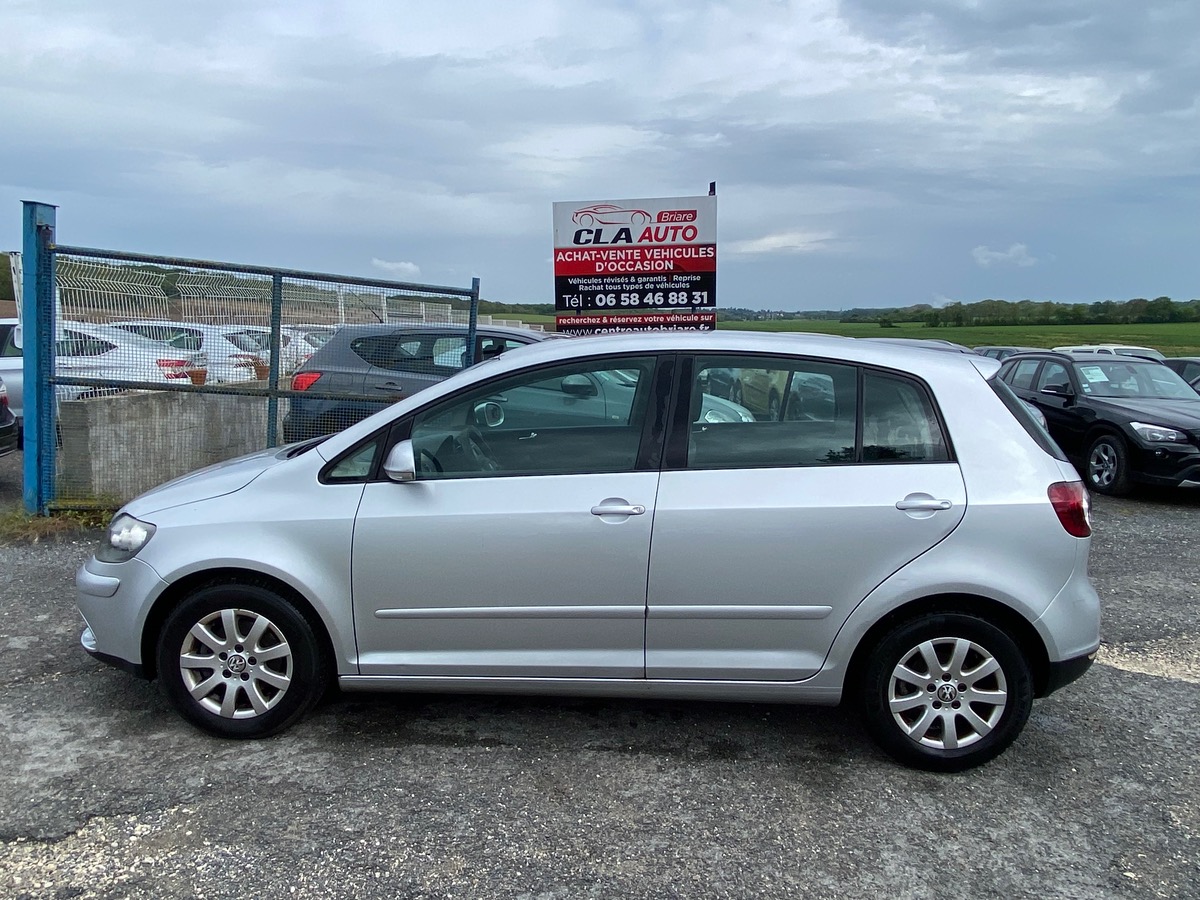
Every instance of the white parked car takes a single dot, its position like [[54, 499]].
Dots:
[[299, 342], [1114, 350], [88, 350], [235, 352], [566, 519]]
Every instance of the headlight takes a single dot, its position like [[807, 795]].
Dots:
[[126, 536], [1158, 433]]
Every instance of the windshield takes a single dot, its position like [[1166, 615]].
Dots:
[[1122, 378]]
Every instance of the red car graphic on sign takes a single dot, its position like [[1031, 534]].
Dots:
[[608, 214]]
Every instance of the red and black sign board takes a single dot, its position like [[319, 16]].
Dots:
[[609, 323], [630, 256]]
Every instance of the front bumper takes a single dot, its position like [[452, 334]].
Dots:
[[115, 600], [1172, 465], [88, 641]]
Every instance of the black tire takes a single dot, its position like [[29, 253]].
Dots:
[[946, 692], [251, 690], [1106, 466]]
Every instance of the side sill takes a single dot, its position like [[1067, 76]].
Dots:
[[797, 692]]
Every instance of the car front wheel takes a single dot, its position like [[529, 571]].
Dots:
[[240, 661], [1108, 465], [946, 692]]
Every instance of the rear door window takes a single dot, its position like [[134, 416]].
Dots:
[[1021, 376], [755, 412]]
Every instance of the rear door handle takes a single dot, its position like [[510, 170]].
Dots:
[[921, 503], [390, 386]]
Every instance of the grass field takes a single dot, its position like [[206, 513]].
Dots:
[[1176, 339]]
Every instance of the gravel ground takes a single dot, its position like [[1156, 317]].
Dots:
[[105, 793]]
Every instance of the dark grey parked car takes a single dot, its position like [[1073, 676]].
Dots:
[[1187, 367], [363, 368]]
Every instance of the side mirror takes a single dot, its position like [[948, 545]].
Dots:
[[489, 414], [401, 465], [18, 338], [578, 386], [1058, 390]]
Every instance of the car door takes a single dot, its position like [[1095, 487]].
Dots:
[[767, 534], [1056, 393], [517, 551], [407, 361]]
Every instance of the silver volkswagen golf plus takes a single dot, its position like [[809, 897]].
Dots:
[[894, 532]]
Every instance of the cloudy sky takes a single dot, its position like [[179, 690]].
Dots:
[[867, 152]]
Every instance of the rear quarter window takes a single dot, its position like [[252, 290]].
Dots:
[[1023, 415]]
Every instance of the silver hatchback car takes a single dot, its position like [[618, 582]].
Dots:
[[899, 534]]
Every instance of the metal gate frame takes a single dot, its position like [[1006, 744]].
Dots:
[[38, 310]]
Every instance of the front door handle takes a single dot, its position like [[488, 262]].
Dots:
[[615, 509], [390, 386], [922, 504]]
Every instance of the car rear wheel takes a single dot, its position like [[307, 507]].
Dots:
[[1108, 465], [240, 661], [946, 692]]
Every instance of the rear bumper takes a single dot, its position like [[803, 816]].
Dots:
[[9, 433], [1063, 673]]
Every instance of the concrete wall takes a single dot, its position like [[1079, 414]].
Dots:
[[115, 447]]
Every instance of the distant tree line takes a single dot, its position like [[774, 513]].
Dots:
[[997, 312]]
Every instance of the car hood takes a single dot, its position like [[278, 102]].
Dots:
[[204, 484], [1181, 413]]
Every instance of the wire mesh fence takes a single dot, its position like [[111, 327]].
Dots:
[[163, 366]]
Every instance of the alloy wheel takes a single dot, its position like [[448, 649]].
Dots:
[[947, 693], [236, 663]]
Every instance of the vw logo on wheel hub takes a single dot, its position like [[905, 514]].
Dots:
[[236, 663], [947, 693]]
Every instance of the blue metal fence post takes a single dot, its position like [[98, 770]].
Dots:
[[472, 322], [276, 341], [38, 330]]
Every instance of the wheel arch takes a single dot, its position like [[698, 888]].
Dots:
[[176, 592], [1020, 629], [1098, 429]]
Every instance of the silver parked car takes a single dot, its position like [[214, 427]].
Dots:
[[906, 539]]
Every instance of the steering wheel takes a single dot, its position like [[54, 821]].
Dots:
[[425, 454], [472, 446]]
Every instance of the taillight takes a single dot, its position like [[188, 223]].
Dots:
[[302, 381], [1070, 501], [173, 368]]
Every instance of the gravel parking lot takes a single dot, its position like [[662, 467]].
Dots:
[[104, 792]]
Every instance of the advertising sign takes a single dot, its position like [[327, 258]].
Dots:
[[630, 257]]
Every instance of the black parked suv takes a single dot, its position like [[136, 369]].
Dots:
[[1120, 419], [363, 368]]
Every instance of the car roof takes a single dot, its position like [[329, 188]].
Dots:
[[452, 328], [1083, 356], [221, 327], [733, 341], [926, 343]]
